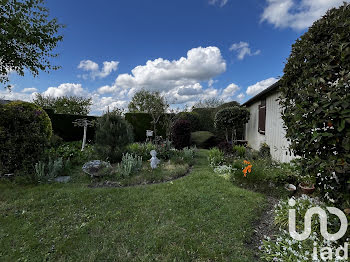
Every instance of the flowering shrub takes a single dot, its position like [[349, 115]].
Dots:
[[216, 157]]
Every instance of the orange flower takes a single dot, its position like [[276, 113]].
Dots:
[[248, 168]]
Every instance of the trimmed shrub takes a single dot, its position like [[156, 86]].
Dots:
[[231, 119], [113, 134], [181, 134], [25, 132], [315, 97], [192, 117]]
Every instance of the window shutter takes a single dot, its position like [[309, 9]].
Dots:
[[262, 118]]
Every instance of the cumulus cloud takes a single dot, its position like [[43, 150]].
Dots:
[[13, 95], [29, 90], [260, 86], [229, 91], [179, 80], [297, 15], [221, 3], [243, 49], [66, 89], [94, 71]]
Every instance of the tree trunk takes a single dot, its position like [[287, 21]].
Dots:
[[84, 138], [226, 134]]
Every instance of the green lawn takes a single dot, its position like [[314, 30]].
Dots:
[[200, 217]]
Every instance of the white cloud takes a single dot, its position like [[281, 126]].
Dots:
[[94, 71], [66, 89], [229, 91], [178, 80], [12, 95], [297, 15], [243, 49], [29, 90], [260, 86], [221, 3], [241, 96]]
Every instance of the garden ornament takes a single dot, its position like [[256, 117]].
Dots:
[[154, 160]]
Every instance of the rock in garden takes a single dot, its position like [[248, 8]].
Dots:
[[96, 168]]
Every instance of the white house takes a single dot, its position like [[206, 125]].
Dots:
[[266, 125]]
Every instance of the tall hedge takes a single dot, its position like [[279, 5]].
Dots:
[[62, 125], [25, 132], [142, 122], [206, 118], [316, 101]]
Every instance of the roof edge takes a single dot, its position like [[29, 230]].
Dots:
[[266, 91]]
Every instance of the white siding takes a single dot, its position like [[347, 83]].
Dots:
[[274, 131]]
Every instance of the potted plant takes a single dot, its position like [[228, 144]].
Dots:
[[307, 184]]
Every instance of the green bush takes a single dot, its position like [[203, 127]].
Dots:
[[216, 157], [71, 153], [231, 119], [315, 99], [239, 151], [113, 134], [25, 132]]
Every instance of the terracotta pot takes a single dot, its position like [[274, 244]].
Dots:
[[307, 189]]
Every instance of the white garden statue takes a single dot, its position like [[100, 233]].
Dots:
[[154, 160]]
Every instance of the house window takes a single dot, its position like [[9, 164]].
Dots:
[[262, 117]]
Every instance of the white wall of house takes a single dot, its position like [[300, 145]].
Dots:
[[274, 131]]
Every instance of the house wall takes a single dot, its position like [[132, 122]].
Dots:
[[274, 131]]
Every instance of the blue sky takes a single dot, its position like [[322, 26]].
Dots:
[[186, 49]]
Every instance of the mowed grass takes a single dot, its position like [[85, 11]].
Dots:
[[200, 217]]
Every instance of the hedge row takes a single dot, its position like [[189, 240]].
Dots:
[[142, 122], [62, 125]]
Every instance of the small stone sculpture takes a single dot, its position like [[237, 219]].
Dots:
[[154, 160]]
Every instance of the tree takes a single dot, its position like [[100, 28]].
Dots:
[[73, 105], [83, 123], [231, 119], [208, 103], [113, 134], [149, 102], [315, 99], [27, 38]]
